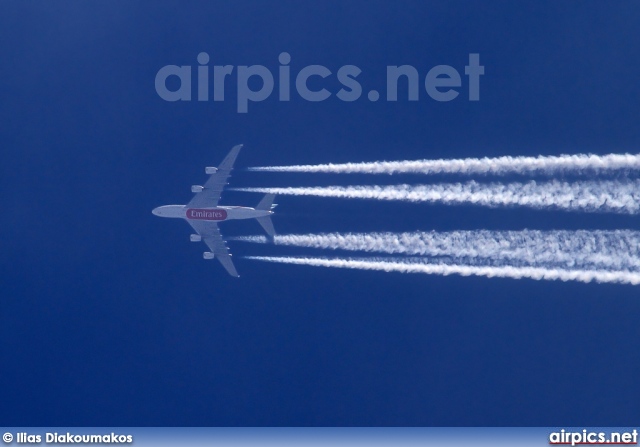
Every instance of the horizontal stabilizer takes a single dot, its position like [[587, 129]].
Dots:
[[266, 223], [266, 203]]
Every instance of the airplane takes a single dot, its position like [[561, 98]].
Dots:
[[204, 214]]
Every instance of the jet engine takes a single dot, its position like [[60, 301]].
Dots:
[[210, 170], [196, 188], [195, 238], [208, 255]]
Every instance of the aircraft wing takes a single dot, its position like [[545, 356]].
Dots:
[[211, 236], [210, 195]]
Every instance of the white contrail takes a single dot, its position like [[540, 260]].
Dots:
[[612, 196], [610, 250], [544, 165], [537, 273]]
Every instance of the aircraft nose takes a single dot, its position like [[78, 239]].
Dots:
[[156, 211]]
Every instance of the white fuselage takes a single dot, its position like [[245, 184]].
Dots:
[[215, 214]]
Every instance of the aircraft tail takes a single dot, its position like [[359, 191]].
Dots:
[[268, 226], [266, 204]]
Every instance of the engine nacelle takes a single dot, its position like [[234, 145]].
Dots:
[[196, 188], [195, 238], [208, 255], [210, 170]]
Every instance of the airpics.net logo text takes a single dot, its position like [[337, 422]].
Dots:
[[256, 83]]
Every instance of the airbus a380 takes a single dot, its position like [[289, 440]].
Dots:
[[204, 214]]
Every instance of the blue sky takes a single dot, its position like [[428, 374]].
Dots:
[[110, 316]]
